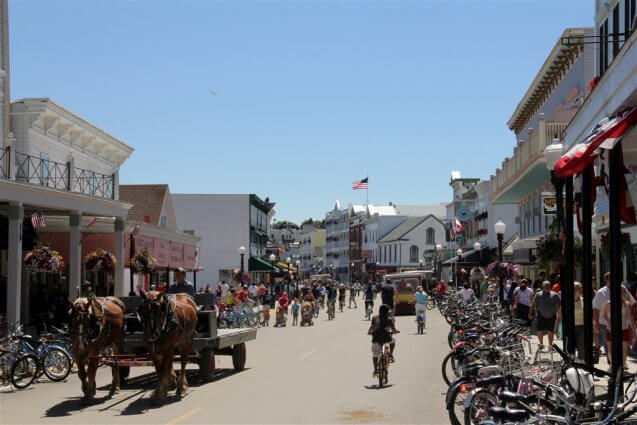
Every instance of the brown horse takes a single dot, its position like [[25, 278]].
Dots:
[[169, 323], [96, 324]]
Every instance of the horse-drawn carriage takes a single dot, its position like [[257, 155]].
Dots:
[[159, 330]]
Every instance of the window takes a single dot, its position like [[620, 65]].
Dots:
[[413, 253], [430, 236], [395, 256], [603, 47]]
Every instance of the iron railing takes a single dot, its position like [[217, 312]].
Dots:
[[41, 171], [4, 162], [57, 175], [92, 183]]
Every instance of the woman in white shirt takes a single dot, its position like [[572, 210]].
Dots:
[[467, 293]]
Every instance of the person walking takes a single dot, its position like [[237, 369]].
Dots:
[[522, 300], [601, 324], [628, 325], [579, 321], [421, 304], [547, 305], [352, 295]]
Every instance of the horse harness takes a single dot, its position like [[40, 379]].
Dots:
[[169, 323], [97, 326]]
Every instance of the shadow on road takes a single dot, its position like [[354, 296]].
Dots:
[[376, 387], [141, 404], [70, 405]]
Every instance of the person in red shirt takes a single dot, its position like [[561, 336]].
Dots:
[[241, 296], [284, 301], [441, 288], [556, 288]]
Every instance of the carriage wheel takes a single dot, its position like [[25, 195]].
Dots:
[[207, 364], [239, 356], [124, 371]]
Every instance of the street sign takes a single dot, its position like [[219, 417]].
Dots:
[[366, 254], [464, 213]]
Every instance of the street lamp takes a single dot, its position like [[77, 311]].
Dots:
[[351, 272], [500, 228], [298, 268], [272, 260], [242, 251], [478, 247], [552, 154], [459, 253], [287, 285], [437, 248]]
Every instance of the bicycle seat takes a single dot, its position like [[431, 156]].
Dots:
[[504, 414], [491, 380], [472, 369], [510, 396]]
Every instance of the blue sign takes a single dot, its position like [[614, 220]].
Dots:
[[464, 213]]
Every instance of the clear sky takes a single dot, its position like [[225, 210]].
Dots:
[[311, 95]]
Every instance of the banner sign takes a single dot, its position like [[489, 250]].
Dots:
[[549, 205]]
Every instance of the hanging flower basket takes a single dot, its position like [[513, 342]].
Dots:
[[502, 270], [550, 251], [43, 259], [626, 246], [143, 262], [100, 261]]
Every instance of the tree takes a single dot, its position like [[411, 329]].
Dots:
[[284, 224]]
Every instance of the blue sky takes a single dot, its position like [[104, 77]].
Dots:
[[312, 95]]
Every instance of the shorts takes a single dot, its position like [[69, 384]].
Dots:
[[378, 348], [545, 324], [625, 335], [421, 307]]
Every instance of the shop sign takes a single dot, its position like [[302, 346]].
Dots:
[[549, 205], [366, 254], [161, 252], [189, 257], [176, 255], [142, 242]]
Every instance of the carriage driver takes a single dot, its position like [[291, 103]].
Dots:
[[181, 285]]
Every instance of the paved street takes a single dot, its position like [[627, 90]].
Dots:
[[320, 374]]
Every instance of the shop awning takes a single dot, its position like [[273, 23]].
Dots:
[[255, 264], [283, 266], [470, 256]]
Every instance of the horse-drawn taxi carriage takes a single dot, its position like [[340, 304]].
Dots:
[[159, 330]]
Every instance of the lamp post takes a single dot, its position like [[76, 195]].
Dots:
[[552, 154], [272, 259], [287, 284], [351, 272], [478, 247], [298, 267], [459, 253], [437, 249], [242, 252], [500, 228]]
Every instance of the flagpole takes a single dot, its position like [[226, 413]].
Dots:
[[367, 191]]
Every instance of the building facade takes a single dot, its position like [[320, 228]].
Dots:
[[225, 223], [551, 101], [337, 242]]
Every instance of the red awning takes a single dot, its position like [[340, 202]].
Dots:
[[605, 135]]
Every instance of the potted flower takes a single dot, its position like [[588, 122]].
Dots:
[[100, 260], [501, 270], [43, 259], [143, 262]]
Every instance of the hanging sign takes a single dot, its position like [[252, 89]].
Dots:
[[549, 205]]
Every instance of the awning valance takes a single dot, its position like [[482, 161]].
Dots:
[[283, 266]]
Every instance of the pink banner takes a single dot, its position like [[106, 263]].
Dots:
[[189, 257], [142, 242], [161, 251], [176, 255]]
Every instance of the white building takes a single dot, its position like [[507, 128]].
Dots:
[[337, 242], [225, 223], [67, 169], [406, 244]]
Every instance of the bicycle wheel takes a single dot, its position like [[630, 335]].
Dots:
[[56, 365], [24, 371], [456, 409], [431, 303], [6, 361], [449, 371], [478, 410], [381, 371]]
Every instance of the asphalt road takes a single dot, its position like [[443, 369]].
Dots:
[[318, 374]]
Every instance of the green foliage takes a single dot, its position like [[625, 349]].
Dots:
[[284, 224], [550, 251]]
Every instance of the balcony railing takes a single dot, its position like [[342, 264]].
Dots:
[[526, 153], [4, 163], [57, 175]]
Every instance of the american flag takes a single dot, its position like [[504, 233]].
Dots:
[[91, 222], [360, 184], [134, 231], [38, 221]]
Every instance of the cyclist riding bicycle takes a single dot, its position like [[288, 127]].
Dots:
[[369, 297], [381, 329], [387, 295]]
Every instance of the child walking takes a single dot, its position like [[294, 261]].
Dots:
[[295, 312]]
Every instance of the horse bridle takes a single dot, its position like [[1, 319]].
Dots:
[[168, 323], [93, 322]]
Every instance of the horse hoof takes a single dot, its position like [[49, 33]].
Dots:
[[113, 391]]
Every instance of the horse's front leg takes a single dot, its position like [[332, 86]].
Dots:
[[93, 363], [160, 390], [118, 348], [81, 372], [182, 383]]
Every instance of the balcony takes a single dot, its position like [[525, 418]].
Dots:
[[525, 171], [56, 175]]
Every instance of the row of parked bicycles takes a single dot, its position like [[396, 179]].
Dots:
[[246, 315], [23, 358], [497, 374]]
